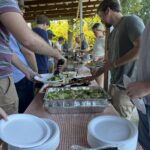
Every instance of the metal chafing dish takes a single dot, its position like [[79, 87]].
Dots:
[[76, 104]]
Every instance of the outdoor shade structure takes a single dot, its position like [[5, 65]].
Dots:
[[64, 9], [59, 9]]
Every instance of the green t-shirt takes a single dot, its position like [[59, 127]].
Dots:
[[120, 42]]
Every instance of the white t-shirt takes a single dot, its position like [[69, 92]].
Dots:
[[50, 43], [58, 46], [99, 47]]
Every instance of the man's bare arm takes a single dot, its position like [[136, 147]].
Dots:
[[30, 57], [131, 55], [22, 67], [94, 76], [138, 89], [99, 72], [15, 23]]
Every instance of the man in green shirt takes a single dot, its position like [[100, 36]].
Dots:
[[123, 49]]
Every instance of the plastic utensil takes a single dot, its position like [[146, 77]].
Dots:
[[109, 147]]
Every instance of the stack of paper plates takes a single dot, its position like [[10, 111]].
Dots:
[[24, 131], [52, 142], [112, 130]]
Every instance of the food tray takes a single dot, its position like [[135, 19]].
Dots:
[[76, 104]]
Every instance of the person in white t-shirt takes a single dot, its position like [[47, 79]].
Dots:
[[99, 48], [51, 62], [50, 37], [59, 44]]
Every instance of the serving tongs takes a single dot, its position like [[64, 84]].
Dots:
[[59, 66], [75, 84], [78, 81], [70, 84]]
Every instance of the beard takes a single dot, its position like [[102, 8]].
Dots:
[[108, 25]]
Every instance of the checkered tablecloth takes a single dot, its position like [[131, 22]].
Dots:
[[74, 129], [73, 126]]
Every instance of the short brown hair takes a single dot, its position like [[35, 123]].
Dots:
[[42, 19], [112, 4], [60, 38], [98, 26]]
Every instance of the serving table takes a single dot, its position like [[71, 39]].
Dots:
[[73, 127]]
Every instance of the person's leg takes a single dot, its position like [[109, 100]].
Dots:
[[100, 80], [25, 93], [122, 103], [144, 129]]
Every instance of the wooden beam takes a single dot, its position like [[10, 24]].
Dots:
[[59, 12], [60, 6], [58, 15], [60, 18], [37, 2], [63, 16], [61, 9]]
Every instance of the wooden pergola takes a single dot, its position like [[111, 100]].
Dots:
[[59, 9], [63, 9]]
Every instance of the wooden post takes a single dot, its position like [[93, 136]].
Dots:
[[81, 16], [70, 33], [106, 57]]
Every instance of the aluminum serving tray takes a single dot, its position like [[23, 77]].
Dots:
[[74, 106]]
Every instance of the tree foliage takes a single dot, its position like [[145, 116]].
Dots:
[[138, 7], [60, 28]]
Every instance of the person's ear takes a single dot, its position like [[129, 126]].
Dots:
[[104, 33], [107, 11]]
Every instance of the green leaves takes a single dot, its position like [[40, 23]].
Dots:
[[138, 7]]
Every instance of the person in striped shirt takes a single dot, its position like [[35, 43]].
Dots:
[[12, 21]]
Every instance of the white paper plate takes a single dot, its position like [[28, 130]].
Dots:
[[22, 130], [44, 79], [112, 130], [52, 142]]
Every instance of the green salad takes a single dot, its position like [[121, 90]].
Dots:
[[55, 78], [75, 94]]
